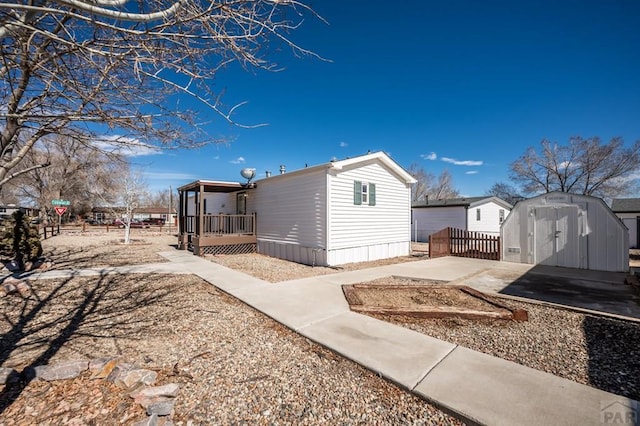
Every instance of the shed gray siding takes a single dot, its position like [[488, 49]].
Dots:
[[566, 230]]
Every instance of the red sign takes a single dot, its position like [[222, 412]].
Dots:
[[61, 210]]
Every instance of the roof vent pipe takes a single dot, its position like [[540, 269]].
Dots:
[[283, 169]]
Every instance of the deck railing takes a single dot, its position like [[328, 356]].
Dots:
[[223, 224]]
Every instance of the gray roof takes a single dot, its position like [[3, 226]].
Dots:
[[625, 205], [459, 202]]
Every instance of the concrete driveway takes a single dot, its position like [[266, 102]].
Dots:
[[593, 290]]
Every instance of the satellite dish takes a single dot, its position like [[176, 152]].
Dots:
[[248, 173]]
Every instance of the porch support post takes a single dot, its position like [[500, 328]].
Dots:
[[200, 220], [181, 219]]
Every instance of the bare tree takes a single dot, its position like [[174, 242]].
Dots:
[[424, 181], [427, 186], [506, 192], [583, 166], [105, 70], [162, 198], [125, 197], [443, 188], [75, 173]]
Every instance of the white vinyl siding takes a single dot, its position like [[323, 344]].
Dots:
[[427, 221], [631, 222], [363, 225], [291, 209], [489, 214], [216, 202]]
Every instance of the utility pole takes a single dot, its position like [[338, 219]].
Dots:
[[170, 212]]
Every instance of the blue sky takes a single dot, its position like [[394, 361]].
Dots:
[[465, 86]]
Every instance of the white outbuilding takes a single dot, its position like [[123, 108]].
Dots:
[[568, 230]]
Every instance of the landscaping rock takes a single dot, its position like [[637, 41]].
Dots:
[[8, 375], [13, 266], [161, 407], [149, 421], [118, 370], [136, 378], [9, 287], [168, 391], [61, 371], [23, 288], [102, 367]]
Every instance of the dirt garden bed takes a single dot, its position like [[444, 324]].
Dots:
[[432, 300]]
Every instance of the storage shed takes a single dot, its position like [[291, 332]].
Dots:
[[569, 230]]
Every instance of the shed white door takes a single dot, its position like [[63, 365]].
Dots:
[[556, 236]]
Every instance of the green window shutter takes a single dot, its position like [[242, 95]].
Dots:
[[372, 194], [357, 193]]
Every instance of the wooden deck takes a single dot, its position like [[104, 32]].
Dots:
[[217, 230]]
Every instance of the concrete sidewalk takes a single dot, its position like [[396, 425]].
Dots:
[[149, 268], [477, 387]]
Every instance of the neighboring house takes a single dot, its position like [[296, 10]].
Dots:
[[628, 210], [569, 230], [108, 214], [480, 214], [6, 210], [339, 212], [170, 216]]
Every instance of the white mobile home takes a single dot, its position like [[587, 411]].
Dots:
[[569, 230], [344, 211], [628, 210], [479, 214]]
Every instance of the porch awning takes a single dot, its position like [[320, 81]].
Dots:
[[212, 186]]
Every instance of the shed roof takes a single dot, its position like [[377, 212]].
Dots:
[[625, 205], [462, 202]]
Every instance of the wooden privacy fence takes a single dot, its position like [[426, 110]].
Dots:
[[461, 243]]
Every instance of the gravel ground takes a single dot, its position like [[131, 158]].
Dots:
[[277, 270], [90, 249], [587, 349], [234, 365]]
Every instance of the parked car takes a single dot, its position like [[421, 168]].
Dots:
[[135, 223], [154, 221]]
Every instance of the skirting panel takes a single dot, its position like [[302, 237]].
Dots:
[[293, 252], [229, 249], [368, 253]]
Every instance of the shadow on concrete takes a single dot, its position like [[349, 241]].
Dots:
[[594, 290]]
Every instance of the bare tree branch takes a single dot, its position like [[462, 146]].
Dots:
[[584, 166], [88, 68]]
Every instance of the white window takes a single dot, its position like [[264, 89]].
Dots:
[[478, 215], [364, 193], [500, 215]]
